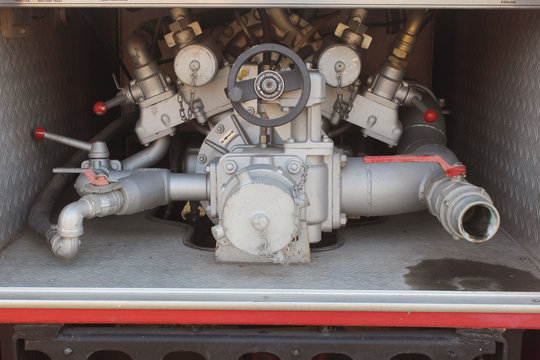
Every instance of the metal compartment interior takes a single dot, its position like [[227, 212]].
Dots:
[[486, 66]]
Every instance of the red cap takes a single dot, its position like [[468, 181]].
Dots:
[[430, 116], [39, 133], [100, 108]]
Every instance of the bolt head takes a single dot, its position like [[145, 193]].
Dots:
[[201, 158], [343, 160], [339, 66], [220, 128], [343, 219], [68, 350], [230, 167], [259, 221], [194, 65], [293, 166]]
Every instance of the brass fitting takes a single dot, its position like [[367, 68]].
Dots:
[[403, 45]]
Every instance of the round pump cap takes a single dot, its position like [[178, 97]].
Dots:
[[340, 58], [196, 59], [259, 218]]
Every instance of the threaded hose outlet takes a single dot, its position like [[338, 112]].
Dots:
[[466, 211]]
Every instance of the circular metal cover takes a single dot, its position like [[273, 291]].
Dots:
[[196, 58], [336, 56], [269, 85], [258, 214]]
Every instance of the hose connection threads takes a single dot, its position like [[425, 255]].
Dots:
[[466, 211]]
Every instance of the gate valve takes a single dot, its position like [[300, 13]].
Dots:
[[430, 115], [450, 171], [96, 150]]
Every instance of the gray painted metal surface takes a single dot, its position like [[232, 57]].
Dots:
[[493, 73], [44, 81], [132, 261]]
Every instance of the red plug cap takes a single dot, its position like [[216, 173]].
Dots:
[[100, 108], [39, 133], [430, 116]]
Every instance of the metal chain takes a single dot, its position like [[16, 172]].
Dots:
[[343, 108], [181, 100], [298, 189]]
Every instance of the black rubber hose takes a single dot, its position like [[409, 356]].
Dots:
[[40, 213]]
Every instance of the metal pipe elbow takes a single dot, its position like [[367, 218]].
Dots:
[[282, 21], [138, 49], [70, 221], [149, 156], [65, 247], [65, 240]]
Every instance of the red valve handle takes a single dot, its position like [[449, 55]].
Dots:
[[430, 116], [100, 108], [451, 171], [39, 133], [97, 180]]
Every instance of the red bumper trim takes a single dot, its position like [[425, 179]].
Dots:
[[263, 317]]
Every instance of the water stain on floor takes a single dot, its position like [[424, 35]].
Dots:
[[455, 274]]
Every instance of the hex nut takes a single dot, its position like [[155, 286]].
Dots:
[[230, 167]]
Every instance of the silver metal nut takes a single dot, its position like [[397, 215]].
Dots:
[[294, 166], [259, 221], [230, 167], [220, 128], [343, 160], [201, 158], [343, 219]]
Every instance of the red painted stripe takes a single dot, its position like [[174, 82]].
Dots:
[[260, 317]]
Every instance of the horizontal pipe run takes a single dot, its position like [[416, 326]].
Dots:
[[383, 189], [188, 187]]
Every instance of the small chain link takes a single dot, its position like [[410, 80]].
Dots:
[[343, 108], [181, 100], [298, 189]]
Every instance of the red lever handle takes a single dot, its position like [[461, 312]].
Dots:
[[100, 108], [430, 116], [39, 133], [98, 180], [451, 171]]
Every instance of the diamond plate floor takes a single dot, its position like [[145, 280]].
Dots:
[[403, 252]]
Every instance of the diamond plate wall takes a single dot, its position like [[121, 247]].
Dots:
[[488, 68], [48, 79]]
